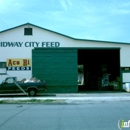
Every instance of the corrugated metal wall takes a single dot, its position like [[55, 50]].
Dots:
[[58, 66]]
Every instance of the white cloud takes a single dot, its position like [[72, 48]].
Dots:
[[125, 4], [120, 11], [1, 2], [121, 8], [65, 4], [123, 11], [69, 2], [7, 7]]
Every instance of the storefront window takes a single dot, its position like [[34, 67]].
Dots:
[[2, 68]]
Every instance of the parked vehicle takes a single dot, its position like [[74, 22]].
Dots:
[[31, 87]]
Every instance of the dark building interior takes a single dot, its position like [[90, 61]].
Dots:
[[100, 68]]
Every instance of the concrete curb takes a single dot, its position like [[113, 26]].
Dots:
[[68, 99]]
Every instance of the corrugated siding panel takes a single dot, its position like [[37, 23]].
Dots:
[[58, 66]]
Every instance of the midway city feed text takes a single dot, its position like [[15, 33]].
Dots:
[[29, 44]]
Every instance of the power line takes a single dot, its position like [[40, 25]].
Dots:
[[3, 25], [9, 7], [3, 21]]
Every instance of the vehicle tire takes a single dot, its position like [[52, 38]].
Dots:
[[32, 92]]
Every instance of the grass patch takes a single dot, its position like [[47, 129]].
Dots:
[[31, 101]]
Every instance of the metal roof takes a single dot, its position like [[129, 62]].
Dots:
[[62, 34]]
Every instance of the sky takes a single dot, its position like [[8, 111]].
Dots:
[[104, 20]]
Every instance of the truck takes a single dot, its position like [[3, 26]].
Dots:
[[30, 87]]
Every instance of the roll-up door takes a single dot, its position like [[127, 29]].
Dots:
[[57, 66]]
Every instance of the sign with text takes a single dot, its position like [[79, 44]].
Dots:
[[18, 64], [29, 44]]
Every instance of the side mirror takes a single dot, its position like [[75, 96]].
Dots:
[[3, 82]]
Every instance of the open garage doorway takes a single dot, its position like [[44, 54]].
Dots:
[[99, 69]]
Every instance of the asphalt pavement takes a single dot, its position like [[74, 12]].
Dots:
[[87, 116]]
